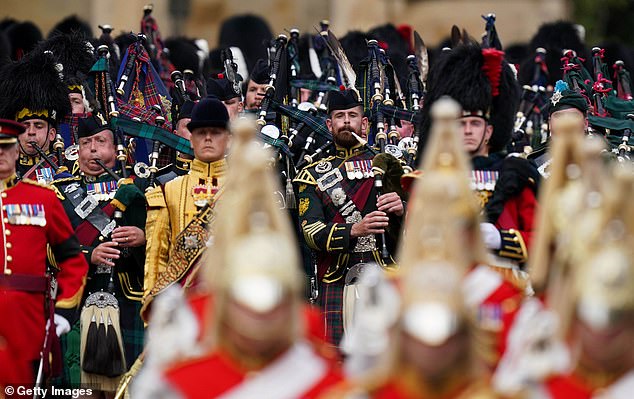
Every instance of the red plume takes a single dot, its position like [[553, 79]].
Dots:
[[406, 31], [492, 68]]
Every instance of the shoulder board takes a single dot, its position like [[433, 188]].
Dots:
[[155, 198], [35, 183]]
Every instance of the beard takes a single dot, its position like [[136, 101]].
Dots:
[[344, 137]]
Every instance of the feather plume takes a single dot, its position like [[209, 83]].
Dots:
[[347, 71], [422, 57], [456, 36]]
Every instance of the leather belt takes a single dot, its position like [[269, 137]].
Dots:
[[24, 282]]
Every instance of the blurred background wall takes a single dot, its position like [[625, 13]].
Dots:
[[517, 20]]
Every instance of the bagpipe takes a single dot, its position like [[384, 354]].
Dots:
[[611, 111], [530, 129]]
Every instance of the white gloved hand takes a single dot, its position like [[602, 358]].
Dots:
[[62, 326], [491, 236]]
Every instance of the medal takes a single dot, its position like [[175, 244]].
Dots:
[[479, 179], [358, 174], [349, 170]]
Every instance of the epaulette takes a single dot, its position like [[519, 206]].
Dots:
[[155, 198], [36, 183]]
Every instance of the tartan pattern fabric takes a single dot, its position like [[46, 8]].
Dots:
[[71, 367], [277, 143], [143, 130], [331, 304], [132, 329], [314, 85], [401, 114], [315, 122], [67, 126], [166, 157], [143, 89], [135, 112]]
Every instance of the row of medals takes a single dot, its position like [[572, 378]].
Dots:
[[483, 180], [361, 169]]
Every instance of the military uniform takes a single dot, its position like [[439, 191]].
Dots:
[[109, 195], [170, 210], [310, 373], [507, 189], [334, 194], [33, 218], [36, 168]]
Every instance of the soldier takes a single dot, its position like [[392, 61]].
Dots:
[[37, 97], [108, 215], [484, 84], [177, 209], [183, 161], [339, 211], [33, 222], [495, 292], [255, 324], [434, 350], [255, 86], [223, 89], [597, 314], [563, 101]]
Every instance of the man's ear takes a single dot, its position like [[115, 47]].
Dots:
[[52, 132], [488, 132], [329, 124], [364, 127], [240, 106]]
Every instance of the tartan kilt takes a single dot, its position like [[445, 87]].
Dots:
[[331, 302], [132, 329]]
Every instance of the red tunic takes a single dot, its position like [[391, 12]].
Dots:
[[497, 302], [33, 217], [314, 332], [191, 379], [568, 387]]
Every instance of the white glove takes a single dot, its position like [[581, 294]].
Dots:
[[491, 236], [62, 326]]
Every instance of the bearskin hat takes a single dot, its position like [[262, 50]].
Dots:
[[554, 37], [397, 48], [72, 50], [481, 81], [183, 53], [33, 88], [72, 24], [250, 33], [23, 37]]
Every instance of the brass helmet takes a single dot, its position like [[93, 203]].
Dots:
[[603, 283], [254, 259], [442, 205], [575, 176]]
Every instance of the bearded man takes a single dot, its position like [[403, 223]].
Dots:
[[340, 211]]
